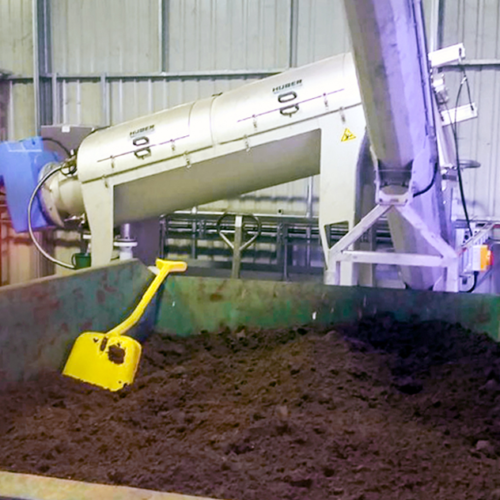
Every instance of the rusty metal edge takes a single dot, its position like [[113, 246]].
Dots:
[[31, 487]]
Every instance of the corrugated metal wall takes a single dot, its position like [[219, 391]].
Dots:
[[477, 24], [16, 40], [118, 59], [105, 36]]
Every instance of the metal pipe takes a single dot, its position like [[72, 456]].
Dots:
[[440, 33], [55, 100], [180, 75], [194, 234], [45, 37], [434, 25], [285, 252], [474, 64], [294, 33], [385, 48], [36, 65], [125, 232], [105, 104], [238, 242], [163, 28], [309, 214], [163, 236]]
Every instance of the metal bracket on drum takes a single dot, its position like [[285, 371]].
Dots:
[[238, 245]]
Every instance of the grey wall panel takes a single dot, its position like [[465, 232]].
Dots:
[[21, 116], [84, 102], [322, 30], [20, 261], [81, 103], [4, 105], [477, 24], [479, 140], [131, 99], [16, 42], [105, 36], [228, 34]]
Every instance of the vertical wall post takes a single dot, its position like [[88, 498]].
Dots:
[[238, 242], [56, 115], [163, 21], [105, 101], [294, 33], [436, 27], [36, 65], [42, 63]]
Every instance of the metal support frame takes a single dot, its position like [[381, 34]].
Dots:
[[446, 258], [280, 250], [167, 76], [238, 245]]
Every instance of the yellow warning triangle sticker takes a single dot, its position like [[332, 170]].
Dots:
[[348, 136]]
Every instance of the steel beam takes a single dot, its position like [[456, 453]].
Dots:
[[180, 75], [396, 259], [473, 64]]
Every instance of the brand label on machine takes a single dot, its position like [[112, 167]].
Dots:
[[142, 132], [287, 86]]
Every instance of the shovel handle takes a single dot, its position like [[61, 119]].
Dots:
[[165, 267]]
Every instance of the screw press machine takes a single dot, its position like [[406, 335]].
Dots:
[[300, 123]]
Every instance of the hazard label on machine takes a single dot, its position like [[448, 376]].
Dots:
[[348, 136]]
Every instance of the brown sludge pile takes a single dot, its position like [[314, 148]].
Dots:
[[378, 410]]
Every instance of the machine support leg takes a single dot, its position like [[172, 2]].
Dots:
[[357, 231], [238, 238], [99, 203], [285, 252], [238, 245]]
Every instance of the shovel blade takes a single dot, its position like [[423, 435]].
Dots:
[[107, 361]]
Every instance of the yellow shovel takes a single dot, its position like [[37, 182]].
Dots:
[[110, 360]]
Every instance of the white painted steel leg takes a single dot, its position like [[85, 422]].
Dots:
[[99, 204], [338, 181], [335, 271], [452, 283]]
